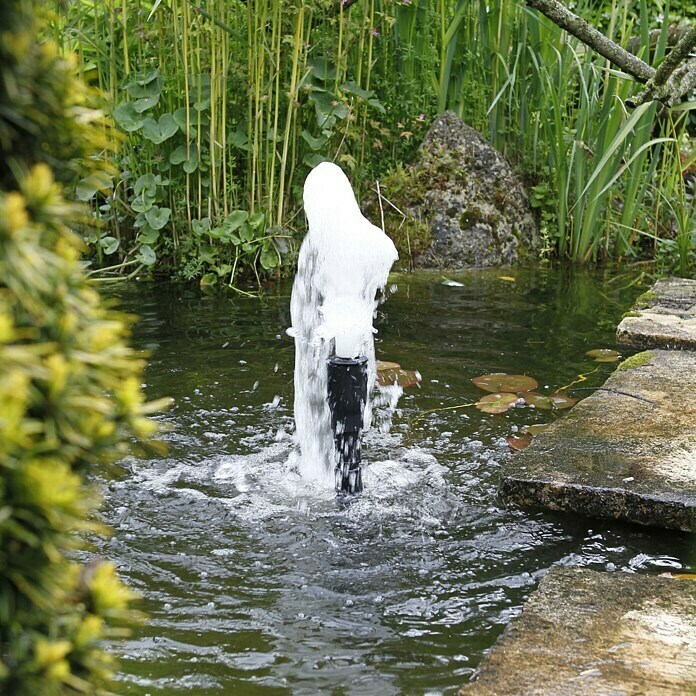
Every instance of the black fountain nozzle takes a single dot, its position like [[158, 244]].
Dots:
[[347, 394]]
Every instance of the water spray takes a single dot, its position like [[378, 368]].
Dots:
[[343, 263]]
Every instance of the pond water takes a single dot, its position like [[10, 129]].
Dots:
[[256, 582]]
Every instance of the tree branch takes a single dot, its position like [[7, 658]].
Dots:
[[580, 29]]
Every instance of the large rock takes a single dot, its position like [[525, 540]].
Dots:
[[463, 204], [626, 452], [605, 634], [663, 317]]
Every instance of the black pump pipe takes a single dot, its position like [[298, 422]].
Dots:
[[347, 394]]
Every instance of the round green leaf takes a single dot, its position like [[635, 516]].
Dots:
[[157, 218], [535, 429], [496, 403], [502, 382], [235, 220], [109, 244], [159, 131], [146, 255], [268, 259], [127, 117], [604, 355], [88, 187]]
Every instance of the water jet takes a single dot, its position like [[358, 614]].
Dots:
[[344, 262]]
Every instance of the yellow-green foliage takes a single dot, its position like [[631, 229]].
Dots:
[[69, 384]]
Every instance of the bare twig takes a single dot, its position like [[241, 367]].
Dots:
[[561, 16]]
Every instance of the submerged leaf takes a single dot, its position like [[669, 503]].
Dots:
[[502, 382], [496, 403], [603, 355], [535, 429], [519, 442]]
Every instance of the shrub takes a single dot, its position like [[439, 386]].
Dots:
[[69, 384]]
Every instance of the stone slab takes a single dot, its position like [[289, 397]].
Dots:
[[585, 632], [663, 317], [626, 452]]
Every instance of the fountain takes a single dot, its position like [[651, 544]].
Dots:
[[344, 262]]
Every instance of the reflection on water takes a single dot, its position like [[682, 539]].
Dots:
[[256, 581]]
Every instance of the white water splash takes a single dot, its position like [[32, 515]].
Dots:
[[344, 261]]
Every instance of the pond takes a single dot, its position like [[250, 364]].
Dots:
[[256, 582]]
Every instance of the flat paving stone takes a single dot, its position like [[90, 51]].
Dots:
[[585, 632], [626, 452], [663, 317]]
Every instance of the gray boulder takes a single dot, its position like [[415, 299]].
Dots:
[[462, 203]]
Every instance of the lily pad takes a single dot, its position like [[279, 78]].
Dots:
[[391, 373], [603, 355], [519, 442], [502, 382], [553, 402], [535, 429], [497, 403]]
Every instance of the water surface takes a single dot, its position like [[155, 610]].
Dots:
[[257, 582]]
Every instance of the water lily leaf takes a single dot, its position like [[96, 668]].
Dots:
[[391, 373], [519, 442], [496, 403], [127, 117], [502, 382], [535, 429], [604, 355], [159, 131], [556, 401]]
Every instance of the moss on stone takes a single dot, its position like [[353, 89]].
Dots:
[[646, 299], [631, 314], [636, 360]]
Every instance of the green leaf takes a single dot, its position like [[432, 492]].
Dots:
[[148, 235], [200, 227], [146, 184], [159, 131], [97, 181], [157, 218], [238, 138], [109, 244], [146, 103], [178, 155], [146, 255], [314, 159], [191, 164], [209, 279], [553, 402], [354, 88], [268, 259], [314, 143], [127, 118], [256, 221], [145, 85], [604, 355], [502, 382], [496, 403], [235, 220]]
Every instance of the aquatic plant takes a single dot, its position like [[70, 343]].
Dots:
[[69, 384], [229, 105]]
